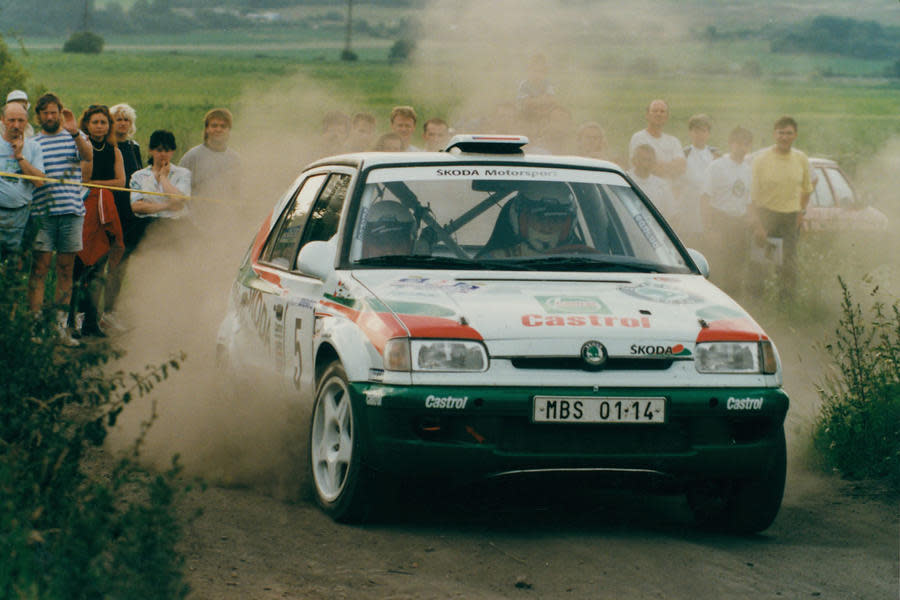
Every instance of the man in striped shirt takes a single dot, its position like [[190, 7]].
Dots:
[[59, 207]]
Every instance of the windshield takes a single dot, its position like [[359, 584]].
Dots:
[[508, 217]]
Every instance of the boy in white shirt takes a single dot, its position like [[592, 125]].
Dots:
[[726, 199], [643, 160], [698, 156]]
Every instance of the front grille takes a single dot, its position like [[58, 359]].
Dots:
[[566, 363], [519, 435]]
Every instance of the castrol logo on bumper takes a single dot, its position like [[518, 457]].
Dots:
[[454, 402], [744, 403]]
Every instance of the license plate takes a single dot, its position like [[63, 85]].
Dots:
[[562, 409]]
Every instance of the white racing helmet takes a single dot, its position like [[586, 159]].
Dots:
[[544, 214], [390, 229]]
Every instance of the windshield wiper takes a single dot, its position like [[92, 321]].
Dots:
[[594, 263], [418, 260]]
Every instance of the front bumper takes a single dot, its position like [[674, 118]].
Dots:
[[464, 433]]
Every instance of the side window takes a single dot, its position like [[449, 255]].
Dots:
[[842, 189], [822, 194], [326, 212], [281, 247]]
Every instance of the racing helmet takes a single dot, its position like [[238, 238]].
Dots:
[[390, 229], [544, 214]]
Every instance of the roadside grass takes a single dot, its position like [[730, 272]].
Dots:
[[858, 433], [70, 530], [848, 120]]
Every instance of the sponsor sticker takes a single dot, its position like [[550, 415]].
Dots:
[[341, 295], [573, 305], [451, 402], [660, 293], [584, 321], [374, 397], [744, 403], [659, 350], [448, 286]]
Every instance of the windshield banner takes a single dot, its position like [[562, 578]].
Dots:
[[493, 172]]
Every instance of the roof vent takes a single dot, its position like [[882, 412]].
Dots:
[[487, 144]]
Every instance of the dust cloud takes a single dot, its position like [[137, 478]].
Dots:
[[472, 58], [235, 432]]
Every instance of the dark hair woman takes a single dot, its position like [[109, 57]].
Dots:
[[102, 240], [161, 177]]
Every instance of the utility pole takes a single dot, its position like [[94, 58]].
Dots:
[[348, 53]]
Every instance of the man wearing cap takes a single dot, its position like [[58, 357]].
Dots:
[[20, 97], [21, 156]]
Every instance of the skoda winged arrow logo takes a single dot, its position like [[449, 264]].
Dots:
[[593, 353]]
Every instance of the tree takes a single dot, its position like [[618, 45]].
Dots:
[[12, 75], [84, 42]]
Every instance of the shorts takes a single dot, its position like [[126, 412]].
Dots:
[[12, 227], [59, 232]]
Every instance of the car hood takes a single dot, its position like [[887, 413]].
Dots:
[[553, 314]]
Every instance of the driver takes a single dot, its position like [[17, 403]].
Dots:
[[390, 230], [542, 217]]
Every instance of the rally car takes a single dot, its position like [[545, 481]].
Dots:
[[479, 312]]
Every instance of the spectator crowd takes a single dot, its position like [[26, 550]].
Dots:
[[79, 190]]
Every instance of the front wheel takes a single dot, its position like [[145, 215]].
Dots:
[[340, 478], [742, 506]]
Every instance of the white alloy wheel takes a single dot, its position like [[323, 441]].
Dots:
[[331, 438]]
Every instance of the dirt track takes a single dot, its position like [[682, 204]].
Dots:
[[832, 539], [826, 543]]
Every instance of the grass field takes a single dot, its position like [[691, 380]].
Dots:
[[848, 119]]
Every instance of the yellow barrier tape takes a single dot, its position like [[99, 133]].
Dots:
[[100, 186]]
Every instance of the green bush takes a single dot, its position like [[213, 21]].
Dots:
[[69, 526], [84, 42], [858, 432], [402, 50]]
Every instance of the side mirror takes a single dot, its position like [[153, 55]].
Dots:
[[700, 261], [316, 259]]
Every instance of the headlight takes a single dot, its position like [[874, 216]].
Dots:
[[402, 354], [735, 357]]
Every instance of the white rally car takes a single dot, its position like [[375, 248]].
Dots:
[[478, 312]]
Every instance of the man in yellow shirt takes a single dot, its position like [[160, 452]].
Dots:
[[779, 192]]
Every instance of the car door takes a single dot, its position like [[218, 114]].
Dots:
[[270, 290], [822, 209], [304, 290], [847, 211]]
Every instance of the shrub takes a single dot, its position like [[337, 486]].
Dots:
[[402, 50], [12, 75], [69, 529], [84, 42], [858, 432]]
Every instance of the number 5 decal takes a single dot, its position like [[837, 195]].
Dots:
[[297, 357]]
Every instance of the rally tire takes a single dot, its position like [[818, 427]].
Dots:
[[341, 481], [742, 506]]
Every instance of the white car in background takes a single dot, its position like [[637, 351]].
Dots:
[[477, 312], [834, 206]]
